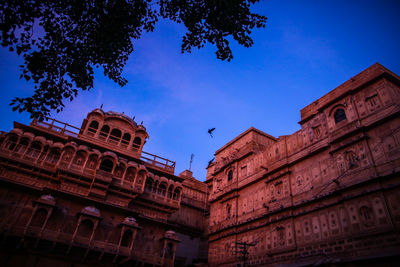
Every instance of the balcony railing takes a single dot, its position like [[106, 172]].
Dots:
[[158, 161], [70, 130], [58, 126], [162, 199]]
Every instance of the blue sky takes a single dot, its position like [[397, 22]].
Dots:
[[307, 49]]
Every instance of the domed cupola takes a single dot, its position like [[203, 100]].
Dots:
[[115, 128]]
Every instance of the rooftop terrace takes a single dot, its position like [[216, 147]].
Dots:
[[67, 130]]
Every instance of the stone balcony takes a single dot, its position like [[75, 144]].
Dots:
[[161, 199], [57, 238], [195, 203], [66, 131]]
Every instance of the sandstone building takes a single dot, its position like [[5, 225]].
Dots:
[[326, 194], [90, 196]]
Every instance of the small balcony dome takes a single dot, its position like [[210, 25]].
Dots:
[[90, 210], [48, 199], [120, 115], [130, 221], [170, 234]]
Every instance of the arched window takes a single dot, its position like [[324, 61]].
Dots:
[[162, 188], [23, 144], [85, 228], [12, 142], [79, 158], [140, 177], [340, 115], [149, 185], [230, 175], [34, 150], [93, 126], [67, 155], [155, 186], [126, 139], [130, 174], [53, 156], [177, 194], [92, 161], [137, 142], [104, 132], [170, 189], [106, 165], [119, 170], [126, 238], [115, 136]]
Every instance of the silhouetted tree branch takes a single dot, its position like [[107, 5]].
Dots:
[[62, 41]]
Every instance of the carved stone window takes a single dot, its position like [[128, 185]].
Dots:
[[34, 150], [12, 142], [228, 210], [170, 241], [340, 115], [162, 188], [230, 175], [243, 170], [88, 220], [53, 156], [91, 164], [115, 136], [80, 158], [373, 102], [299, 180], [22, 146], [141, 177], [351, 159], [177, 194], [130, 174], [317, 131], [149, 185], [104, 132], [137, 142], [367, 216], [43, 207], [126, 139], [119, 170], [67, 155], [170, 189], [92, 129], [281, 235], [106, 165]]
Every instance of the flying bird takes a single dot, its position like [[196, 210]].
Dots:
[[210, 131]]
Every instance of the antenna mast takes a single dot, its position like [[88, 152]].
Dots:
[[191, 160]]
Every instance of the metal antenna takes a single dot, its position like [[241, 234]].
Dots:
[[191, 160]]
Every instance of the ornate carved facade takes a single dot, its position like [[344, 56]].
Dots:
[[91, 196], [326, 194]]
